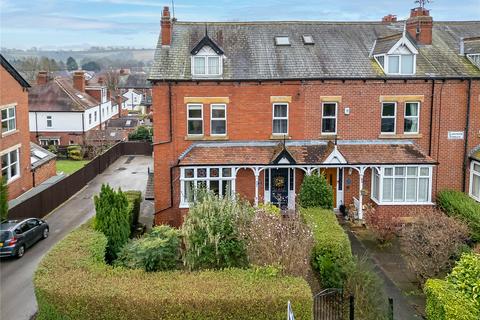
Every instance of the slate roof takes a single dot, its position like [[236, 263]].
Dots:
[[137, 80], [472, 45], [59, 95], [13, 72], [341, 50], [312, 152], [124, 122], [39, 155], [383, 45]]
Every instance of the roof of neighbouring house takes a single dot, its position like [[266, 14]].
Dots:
[[109, 134], [59, 95], [39, 155], [124, 122], [13, 72], [311, 152], [475, 153], [341, 50], [137, 80]]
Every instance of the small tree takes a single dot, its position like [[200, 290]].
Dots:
[[71, 64], [141, 133], [113, 219], [316, 192], [3, 198]]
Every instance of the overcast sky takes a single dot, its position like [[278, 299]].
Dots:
[[73, 23]]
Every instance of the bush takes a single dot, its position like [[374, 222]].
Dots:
[[72, 282], [385, 225], [134, 198], [157, 251], [3, 198], [446, 303], [113, 219], [431, 242], [141, 133], [211, 233], [316, 192], [331, 254], [465, 277], [74, 152], [367, 288], [458, 204], [269, 208], [272, 240]]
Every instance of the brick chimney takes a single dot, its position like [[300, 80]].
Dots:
[[420, 25], [79, 80], [42, 77], [389, 18], [166, 27]]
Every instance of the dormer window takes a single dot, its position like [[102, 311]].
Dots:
[[474, 58], [207, 59], [396, 55]]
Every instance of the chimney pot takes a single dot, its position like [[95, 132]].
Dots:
[[166, 27], [79, 80]]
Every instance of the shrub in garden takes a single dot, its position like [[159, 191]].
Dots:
[[141, 133], [113, 219], [75, 152], [465, 277], [157, 251], [331, 254], [385, 226], [3, 198], [273, 240], [211, 232], [316, 192], [430, 243], [458, 204], [269, 208], [134, 198]]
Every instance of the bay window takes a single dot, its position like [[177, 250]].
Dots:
[[280, 118], [329, 118], [195, 119], [411, 122], [8, 117], [218, 119], [475, 180], [402, 185], [219, 180], [10, 165]]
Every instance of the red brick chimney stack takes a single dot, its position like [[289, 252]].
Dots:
[[42, 77], [166, 27], [389, 18], [420, 25], [79, 80]]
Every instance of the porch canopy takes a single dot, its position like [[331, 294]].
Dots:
[[306, 155]]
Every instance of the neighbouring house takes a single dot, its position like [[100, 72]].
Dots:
[[23, 164], [116, 130], [388, 111], [131, 86], [134, 99], [63, 110]]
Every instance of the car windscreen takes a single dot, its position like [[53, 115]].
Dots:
[[4, 235]]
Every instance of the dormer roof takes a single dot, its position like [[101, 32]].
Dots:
[[206, 41], [390, 44]]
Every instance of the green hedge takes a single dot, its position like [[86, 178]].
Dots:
[[446, 303], [134, 198], [332, 254], [458, 204], [73, 282]]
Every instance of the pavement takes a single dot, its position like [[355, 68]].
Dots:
[[17, 298]]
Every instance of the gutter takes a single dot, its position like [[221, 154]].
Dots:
[[467, 126]]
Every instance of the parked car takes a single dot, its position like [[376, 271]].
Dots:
[[18, 235]]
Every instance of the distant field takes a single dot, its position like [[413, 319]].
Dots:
[[70, 166]]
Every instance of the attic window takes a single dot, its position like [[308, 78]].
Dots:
[[206, 63], [282, 41], [475, 58], [308, 39]]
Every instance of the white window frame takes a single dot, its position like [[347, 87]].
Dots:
[[50, 118], [42, 141], [400, 59], [206, 73], [330, 117], [472, 174], [8, 118], [221, 106], [95, 116], [195, 106], [183, 201], [389, 117], [405, 117], [280, 118], [474, 58], [8, 152], [90, 118], [382, 176]]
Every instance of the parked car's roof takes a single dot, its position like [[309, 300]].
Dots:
[[10, 224]]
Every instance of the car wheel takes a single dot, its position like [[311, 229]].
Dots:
[[20, 251], [45, 233]]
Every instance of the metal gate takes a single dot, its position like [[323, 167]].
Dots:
[[328, 305]]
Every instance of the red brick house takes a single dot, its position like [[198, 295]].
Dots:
[[23, 164], [389, 111]]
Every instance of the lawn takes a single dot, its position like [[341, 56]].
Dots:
[[70, 166]]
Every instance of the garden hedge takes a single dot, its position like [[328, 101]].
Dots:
[[73, 282], [446, 303], [332, 254], [458, 204], [134, 198]]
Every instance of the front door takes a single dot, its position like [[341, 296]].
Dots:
[[279, 184], [331, 176]]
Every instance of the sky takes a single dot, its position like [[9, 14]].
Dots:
[[74, 24]]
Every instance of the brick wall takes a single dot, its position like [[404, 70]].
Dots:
[[12, 92], [44, 172], [65, 137]]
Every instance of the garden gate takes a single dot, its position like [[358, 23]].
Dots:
[[329, 304]]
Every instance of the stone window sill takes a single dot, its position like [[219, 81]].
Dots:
[[9, 133], [206, 138], [400, 136], [279, 137]]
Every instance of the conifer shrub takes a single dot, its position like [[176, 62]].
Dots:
[[113, 219], [316, 192], [134, 198], [3, 198]]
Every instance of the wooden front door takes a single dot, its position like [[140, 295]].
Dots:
[[331, 175]]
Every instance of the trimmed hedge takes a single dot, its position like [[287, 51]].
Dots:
[[458, 204], [446, 303], [332, 254], [134, 198], [73, 282]]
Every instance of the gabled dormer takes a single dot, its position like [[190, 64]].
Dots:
[[470, 48], [207, 59], [396, 54]]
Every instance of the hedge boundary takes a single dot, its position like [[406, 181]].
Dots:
[[74, 282]]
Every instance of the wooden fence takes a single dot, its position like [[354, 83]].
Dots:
[[40, 204]]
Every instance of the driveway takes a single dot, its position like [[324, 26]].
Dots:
[[17, 299]]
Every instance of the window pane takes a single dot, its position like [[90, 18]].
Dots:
[[381, 60], [280, 126], [13, 170], [199, 65], [4, 160], [400, 171], [226, 172], [423, 190], [476, 167], [411, 109], [388, 172], [329, 109], [387, 189], [227, 188], [218, 127], [188, 173], [280, 111], [218, 113], [388, 110], [328, 125], [214, 172], [399, 189], [215, 187], [424, 172], [388, 125], [411, 189], [195, 126], [195, 113], [411, 125], [376, 185], [407, 64], [213, 65], [201, 173], [393, 64], [4, 114], [412, 171], [13, 157], [476, 186], [11, 112], [189, 191]]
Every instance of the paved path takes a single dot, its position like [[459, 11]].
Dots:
[[17, 299]]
